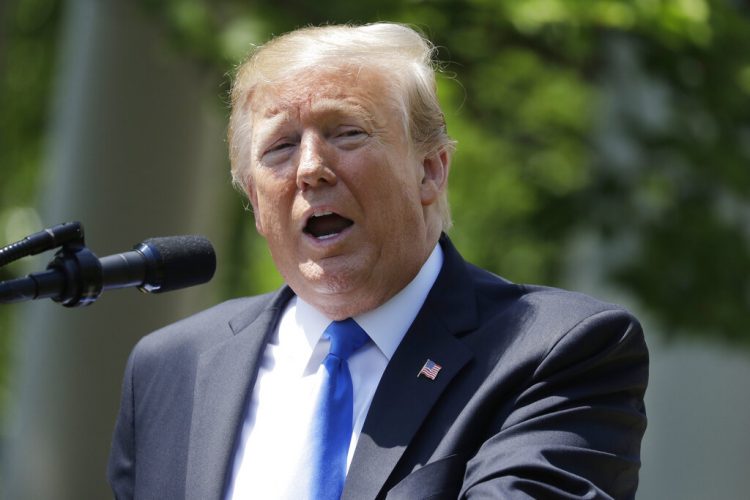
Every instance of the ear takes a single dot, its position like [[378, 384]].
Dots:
[[435, 167]]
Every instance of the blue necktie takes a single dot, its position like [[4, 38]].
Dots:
[[332, 428]]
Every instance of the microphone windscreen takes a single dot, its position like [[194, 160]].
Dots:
[[181, 262]]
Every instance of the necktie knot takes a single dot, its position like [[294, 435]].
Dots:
[[346, 338]]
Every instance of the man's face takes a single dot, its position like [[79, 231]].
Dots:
[[337, 191]]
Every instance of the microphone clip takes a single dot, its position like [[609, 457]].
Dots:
[[83, 274], [73, 277]]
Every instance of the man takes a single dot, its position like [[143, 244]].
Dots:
[[463, 385]]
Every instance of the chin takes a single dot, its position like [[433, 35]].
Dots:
[[333, 288], [331, 276], [337, 296]]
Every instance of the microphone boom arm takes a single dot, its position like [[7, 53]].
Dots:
[[73, 278], [47, 239]]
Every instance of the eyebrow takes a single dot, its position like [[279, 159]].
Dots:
[[276, 116], [271, 125], [345, 107]]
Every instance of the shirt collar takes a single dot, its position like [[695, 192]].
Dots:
[[387, 324]]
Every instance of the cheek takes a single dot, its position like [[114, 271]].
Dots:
[[252, 196], [273, 203], [270, 186]]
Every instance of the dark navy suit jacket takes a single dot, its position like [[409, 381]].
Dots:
[[540, 396]]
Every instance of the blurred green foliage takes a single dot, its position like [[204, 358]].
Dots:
[[624, 124], [28, 35]]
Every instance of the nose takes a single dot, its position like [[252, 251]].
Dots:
[[314, 167]]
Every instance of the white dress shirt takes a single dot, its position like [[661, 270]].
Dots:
[[274, 436]]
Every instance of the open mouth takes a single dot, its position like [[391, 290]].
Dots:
[[326, 225]]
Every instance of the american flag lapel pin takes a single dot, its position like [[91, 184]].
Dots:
[[429, 370]]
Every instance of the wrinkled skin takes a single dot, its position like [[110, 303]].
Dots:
[[334, 142]]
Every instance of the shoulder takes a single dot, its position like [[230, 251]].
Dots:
[[547, 317], [564, 305], [495, 311], [563, 375], [490, 298], [182, 341]]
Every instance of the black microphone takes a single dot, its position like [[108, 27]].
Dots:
[[161, 264], [76, 277]]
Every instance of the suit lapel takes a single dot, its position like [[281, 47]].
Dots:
[[403, 400], [224, 379]]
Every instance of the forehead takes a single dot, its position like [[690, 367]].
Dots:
[[359, 93]]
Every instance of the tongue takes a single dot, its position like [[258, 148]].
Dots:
[[327, 225]]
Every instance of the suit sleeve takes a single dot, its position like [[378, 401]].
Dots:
[[575, 428], [121, 467]]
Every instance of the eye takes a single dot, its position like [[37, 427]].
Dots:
[[283, 142], [349, 132], [349, 137], [278, 151], [279, 147], [352, 132]]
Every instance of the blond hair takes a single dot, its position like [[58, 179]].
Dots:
[[403, 55]]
